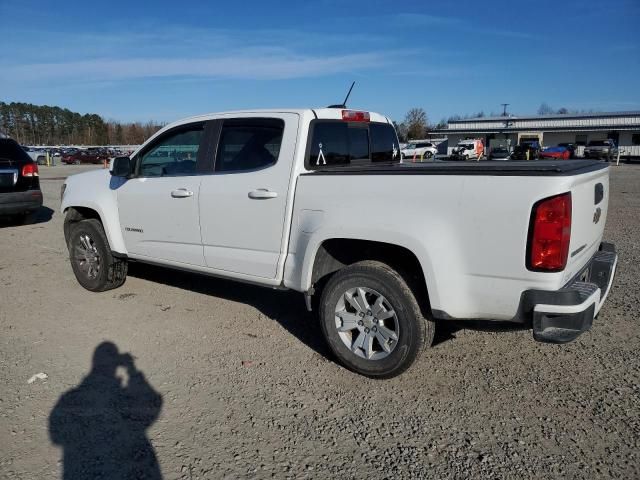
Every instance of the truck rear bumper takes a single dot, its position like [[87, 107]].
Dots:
[[561, 316], [18, 202]]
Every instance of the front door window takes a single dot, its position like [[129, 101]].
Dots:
[[175, 154]]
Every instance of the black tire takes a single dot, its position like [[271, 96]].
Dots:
[[111, 272], [415, 332], [428, 155]]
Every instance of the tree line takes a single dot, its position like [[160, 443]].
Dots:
[[32, 124]]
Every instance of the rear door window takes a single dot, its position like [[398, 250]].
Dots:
[[249, 144]]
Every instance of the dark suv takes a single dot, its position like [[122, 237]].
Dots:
[[526, 151], [19, 181]]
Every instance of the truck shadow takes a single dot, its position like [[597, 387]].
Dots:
[[284, 306], [287, 307], [446, 329]]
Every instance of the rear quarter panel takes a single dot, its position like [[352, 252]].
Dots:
[[468, 232]]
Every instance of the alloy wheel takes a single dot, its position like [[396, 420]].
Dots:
[[367, 323], [87, 256]]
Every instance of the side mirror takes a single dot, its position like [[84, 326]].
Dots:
[[121, 167]]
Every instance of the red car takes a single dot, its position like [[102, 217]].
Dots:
[[556, 152], [84, 156]]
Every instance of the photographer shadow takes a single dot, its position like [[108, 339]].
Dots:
[[101, 424]]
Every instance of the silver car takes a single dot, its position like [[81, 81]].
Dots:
[[606, 149]]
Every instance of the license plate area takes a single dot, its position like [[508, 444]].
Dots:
[[8, 178]]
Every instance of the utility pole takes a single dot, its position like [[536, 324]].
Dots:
[[504, 108]]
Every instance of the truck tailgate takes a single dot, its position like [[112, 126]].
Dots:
[[590, 201]]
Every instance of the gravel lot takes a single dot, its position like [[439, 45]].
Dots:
[[235, 381]]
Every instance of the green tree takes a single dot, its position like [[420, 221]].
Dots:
[[417, 122]]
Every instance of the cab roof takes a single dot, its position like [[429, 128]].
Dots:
[[319, 113]]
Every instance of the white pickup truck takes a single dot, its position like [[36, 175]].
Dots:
[[318, 201]]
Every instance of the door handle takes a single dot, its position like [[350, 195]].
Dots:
[[181, 193], [262, 193]]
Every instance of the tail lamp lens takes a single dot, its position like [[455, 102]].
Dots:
[[30, 170], [550, 233]]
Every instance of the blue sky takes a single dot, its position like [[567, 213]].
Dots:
[[129, 61]]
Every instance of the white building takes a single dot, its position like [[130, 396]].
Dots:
[[550, 130]]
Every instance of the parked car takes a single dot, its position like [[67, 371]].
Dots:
[[38, 155], [55, 152], [500, 153], [605, 149], [98, 151], [19, 180], [84, 156], [571, 147], [419, 151], [471, 149], [269, 199], [526, 151], [555, 152]]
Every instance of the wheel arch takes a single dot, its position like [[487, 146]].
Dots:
[[333, 254], [77, 213]]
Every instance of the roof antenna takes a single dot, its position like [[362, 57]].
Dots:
[[344, 104]]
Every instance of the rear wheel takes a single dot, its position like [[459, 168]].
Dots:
[[94, 266], [76, 162], [372, 321]]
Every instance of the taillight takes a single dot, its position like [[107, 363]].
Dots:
[[549, 234], [30, 170], [354, 116]]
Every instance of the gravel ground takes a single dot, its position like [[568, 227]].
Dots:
[[227, 380]]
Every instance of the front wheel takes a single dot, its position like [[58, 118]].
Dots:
[[372, 321], [93, 264]]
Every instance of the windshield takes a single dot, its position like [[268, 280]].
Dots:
[[466, 146], [598, 143], [409, 146]]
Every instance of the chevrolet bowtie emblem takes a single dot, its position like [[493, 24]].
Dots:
[[596, 215]]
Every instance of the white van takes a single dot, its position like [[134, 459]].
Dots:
[[470, 149]]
